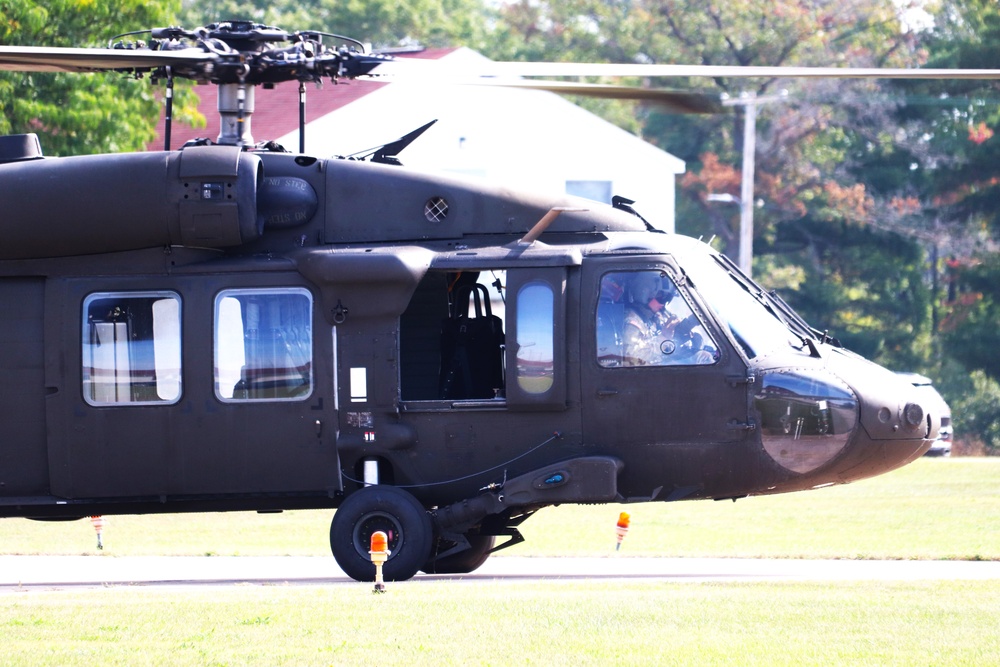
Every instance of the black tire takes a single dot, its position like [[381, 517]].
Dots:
[[396, 513], [464, 561]]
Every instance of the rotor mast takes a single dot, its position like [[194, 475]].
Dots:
[[238, 56], [236, 106]]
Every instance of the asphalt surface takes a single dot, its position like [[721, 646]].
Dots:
[[33, 573]]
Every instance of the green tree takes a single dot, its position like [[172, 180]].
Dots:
[[974, 399], [866, 286], [867, 186], [814, 234], [973, 316], [78, 113], [945, 164], [382, 23], [800, 142]]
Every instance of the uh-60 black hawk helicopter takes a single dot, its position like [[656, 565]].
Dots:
[[236, 327]]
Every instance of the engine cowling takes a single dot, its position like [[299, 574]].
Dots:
[[203, 196]]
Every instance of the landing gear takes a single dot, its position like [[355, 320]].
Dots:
[[388, 509], [462, 562]]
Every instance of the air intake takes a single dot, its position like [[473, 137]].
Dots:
[[19, 147]]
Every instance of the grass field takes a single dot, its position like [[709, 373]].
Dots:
[[490, 623], [931, 509]]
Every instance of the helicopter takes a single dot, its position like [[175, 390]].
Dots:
[[231, 326]]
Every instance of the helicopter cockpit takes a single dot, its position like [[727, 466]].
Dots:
[[814, 403], [807, 416]]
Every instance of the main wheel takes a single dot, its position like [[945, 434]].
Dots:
[[397, 514], [466, 561]]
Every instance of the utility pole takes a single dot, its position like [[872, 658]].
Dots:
[[749, 100]]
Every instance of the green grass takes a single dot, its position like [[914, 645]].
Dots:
[[488, 623], [931, 509]]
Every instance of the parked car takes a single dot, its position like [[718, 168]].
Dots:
[[941, 446]]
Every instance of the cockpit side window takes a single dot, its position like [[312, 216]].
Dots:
[[643, 320]]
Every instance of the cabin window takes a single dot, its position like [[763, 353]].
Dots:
[[535, 336], [263, 344], [131, 348], [644, 320]]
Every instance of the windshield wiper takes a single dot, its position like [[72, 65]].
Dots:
[[813, 332], [774, 305]]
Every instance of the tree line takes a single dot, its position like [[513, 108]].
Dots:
[[877, 203]]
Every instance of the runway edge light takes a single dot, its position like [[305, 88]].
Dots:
[[621, 528], [99, 522], [379, 554]]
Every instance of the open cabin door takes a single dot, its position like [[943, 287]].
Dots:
[[469, 393], [190, 388]]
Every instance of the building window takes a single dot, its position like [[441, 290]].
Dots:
[[132, 348], [596, 190], [263, 344]]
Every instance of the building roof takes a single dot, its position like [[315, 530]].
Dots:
[[276, 110]]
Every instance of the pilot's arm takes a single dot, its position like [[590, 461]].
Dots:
[[640, 343]]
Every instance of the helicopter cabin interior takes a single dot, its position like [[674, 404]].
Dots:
[[456, 330]]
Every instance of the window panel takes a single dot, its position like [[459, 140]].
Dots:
[[263, 344], [131, 348], [643, 320], [535, 327], [596, 190]]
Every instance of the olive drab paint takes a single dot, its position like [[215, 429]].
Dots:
[[231, 326]]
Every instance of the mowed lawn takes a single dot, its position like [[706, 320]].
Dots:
[[931, 509], [436, 623]]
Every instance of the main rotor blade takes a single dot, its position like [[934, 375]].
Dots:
[[675, 100], [500, 69], [55, 59]]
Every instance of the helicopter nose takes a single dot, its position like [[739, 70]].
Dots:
[[844, 421], [897, 424]]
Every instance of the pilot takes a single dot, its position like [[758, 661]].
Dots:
[[653, 334]]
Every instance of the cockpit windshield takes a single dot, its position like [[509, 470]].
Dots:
[[761, 323]]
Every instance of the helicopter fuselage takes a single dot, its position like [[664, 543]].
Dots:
[[214, 329]]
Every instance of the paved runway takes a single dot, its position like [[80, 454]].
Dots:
[[20, 573]]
